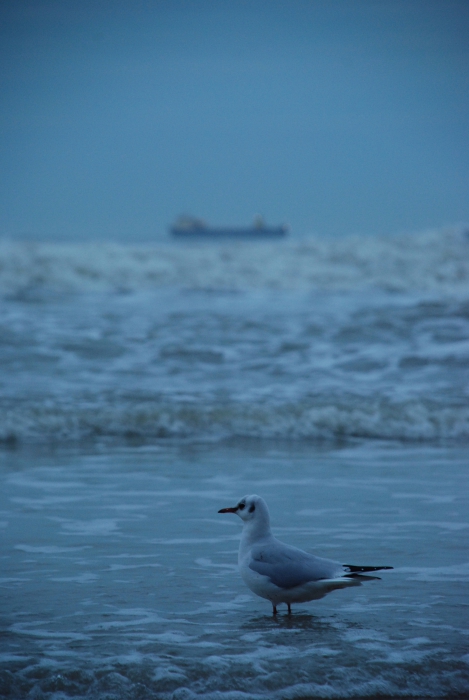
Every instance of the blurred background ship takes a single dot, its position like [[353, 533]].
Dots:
[[190, 227]]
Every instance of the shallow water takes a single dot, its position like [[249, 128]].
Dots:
[[143, 388], [119, 578]]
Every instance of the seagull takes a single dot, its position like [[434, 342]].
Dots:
[[285, 574]]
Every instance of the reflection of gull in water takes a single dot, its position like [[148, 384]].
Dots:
[[281, 573]]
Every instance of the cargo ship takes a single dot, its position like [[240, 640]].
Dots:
[[191, 228]]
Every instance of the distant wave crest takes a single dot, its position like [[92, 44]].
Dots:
[[437, 259]]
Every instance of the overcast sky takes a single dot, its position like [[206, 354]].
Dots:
[[336, 116]]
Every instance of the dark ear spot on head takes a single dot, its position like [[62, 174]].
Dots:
[[252, 508]]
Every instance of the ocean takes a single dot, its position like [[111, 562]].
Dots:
[[145, 387]]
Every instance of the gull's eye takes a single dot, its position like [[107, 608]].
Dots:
[[242, 506], [252, 508]]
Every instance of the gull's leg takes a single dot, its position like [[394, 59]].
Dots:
[[274, 609], [289, 608]]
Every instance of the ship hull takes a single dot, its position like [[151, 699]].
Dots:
[[197, 233]]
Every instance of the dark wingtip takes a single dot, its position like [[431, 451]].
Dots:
[[364, 569]]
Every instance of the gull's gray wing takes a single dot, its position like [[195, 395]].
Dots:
[[288, 567]]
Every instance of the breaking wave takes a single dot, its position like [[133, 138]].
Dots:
[[380, 418]]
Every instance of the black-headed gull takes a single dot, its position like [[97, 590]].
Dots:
[[281, 573]]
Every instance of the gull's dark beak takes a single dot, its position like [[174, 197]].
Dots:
[[228, 510]]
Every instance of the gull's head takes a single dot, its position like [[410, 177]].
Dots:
[[250, 509]]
